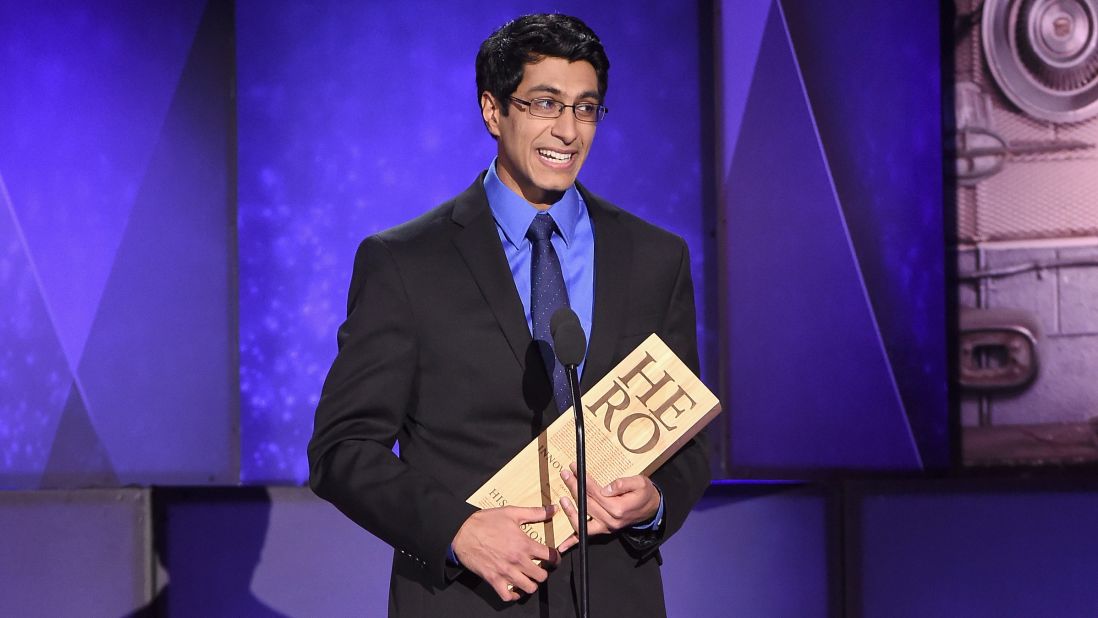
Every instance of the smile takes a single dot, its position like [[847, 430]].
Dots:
[[555, 157]]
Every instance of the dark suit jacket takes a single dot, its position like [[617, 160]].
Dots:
[[436, 354]]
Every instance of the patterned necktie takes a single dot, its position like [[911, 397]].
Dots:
[[547, 294]]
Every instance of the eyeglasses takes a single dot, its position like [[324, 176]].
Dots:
[[551, 108]]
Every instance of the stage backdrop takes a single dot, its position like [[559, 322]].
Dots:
[[121, 361], [117, 230], [355, 117]]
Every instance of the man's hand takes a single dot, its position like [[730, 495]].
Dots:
[[491, 544], [623, 503]]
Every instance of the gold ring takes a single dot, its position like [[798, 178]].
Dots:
[[510, 587]]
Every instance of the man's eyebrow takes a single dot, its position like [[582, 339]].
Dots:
[[546, 88], [590, 94]]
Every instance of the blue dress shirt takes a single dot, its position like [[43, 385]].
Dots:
[[575, 244]]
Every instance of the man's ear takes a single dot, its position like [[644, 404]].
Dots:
[[490, 112]]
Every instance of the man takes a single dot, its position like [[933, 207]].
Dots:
[[444, 350]]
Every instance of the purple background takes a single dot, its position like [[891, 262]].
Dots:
[[184, 192], [118, 324], [164, 164], [355, 117], [832, 247]]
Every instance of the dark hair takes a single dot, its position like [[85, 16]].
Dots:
[[503, 56]]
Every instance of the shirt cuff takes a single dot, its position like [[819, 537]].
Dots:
[[656, 520]]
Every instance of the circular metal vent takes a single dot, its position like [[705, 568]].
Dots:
[[1044, 55]]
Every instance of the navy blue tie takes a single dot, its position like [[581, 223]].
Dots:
[[547, 294]]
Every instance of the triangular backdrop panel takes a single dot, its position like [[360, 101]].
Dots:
[[92, 84], [742, 26], [34, 375], [873, 80], [77, 458], [159, 366], [809, 382]]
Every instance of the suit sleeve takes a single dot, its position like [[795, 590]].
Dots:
[[683, 478], [362, 409]]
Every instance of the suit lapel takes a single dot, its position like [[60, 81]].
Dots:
[[478, 243], [613, 251]]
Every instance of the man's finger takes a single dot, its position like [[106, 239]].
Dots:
[[619, 499], [539, 551], [595, 509], [599, 495], [624, 485], [594, 524], [554, 557], [533, 514], [533, 575], [523, 583], [569, 477], [572, 513], [506, 591], [593, 486], [568, 543]]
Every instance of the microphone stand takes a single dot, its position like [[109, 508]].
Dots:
[[569, 346], [581, 484]]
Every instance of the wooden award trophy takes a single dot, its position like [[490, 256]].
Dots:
[[636, 417]]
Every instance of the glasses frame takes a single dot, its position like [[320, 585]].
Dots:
[[600, 109]]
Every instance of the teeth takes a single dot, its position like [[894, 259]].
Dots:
[[556, 156]]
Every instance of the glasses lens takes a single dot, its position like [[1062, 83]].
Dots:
[[545, 108], [587, 112]]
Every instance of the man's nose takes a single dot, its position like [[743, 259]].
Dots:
[[564, 127]]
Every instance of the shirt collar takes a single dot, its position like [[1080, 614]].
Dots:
[[514, 214]]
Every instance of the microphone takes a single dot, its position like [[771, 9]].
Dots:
[[569, 342], [570, 345]]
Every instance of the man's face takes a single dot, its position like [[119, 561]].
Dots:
[[539, 158]]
